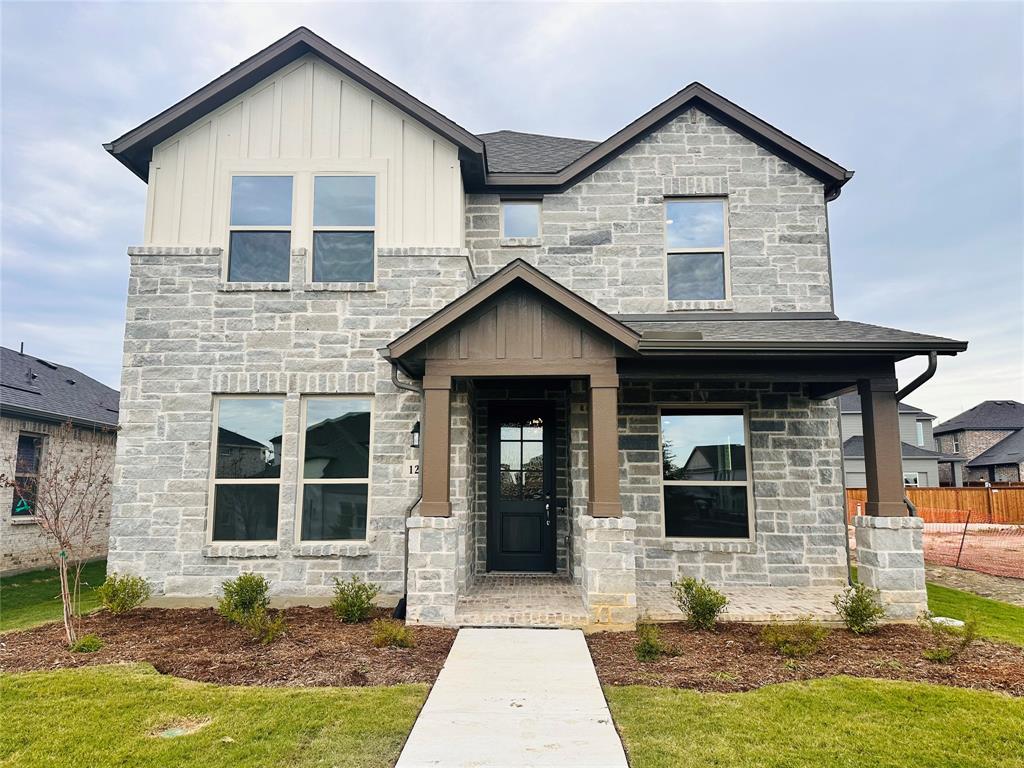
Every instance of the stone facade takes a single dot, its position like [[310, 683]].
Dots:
[[608, 570], [604, 237], [23, 547], [433, 565], [890, 558]]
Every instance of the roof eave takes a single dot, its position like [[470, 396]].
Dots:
[[649, 346]]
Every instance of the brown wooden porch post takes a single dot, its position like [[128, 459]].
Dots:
[[883, 462], [436, 462], [604, 500]]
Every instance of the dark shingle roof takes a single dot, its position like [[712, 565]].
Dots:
[[991, 414], [853, 448], [851, 404], [515, 152], [1009, 450], [34, 386]]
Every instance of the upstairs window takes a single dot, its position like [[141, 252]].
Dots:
[[259, 248], [696, 248], [26, 474], [344, 228], [911, 479], [920, 433], [956, 443], [520, 218]]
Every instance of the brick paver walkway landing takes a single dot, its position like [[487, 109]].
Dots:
[[521, 600], [655, 602]]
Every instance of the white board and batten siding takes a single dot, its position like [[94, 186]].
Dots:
[[305, 119]]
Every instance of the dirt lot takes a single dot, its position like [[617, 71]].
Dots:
[[732, 658], [197, 644]]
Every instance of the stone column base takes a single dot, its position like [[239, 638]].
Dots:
[[890, 558], [608, 564], [433, 562]]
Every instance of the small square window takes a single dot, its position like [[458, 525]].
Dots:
[[520, 218], [343, 257]]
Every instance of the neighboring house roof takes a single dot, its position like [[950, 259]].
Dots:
[[32, 386], [991, 414], [853, 448], [1009, 450], [236, 439], [851, 404], [515, 152], [513, 168]]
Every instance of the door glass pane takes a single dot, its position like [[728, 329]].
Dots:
[[695, 224], [343, 257], [510, 455], [249, 438], [343, 201], [709, 511], [261, 201], [533, 429], [533, 485], [245, 512], [533, 456], [696, 276], [333, 511], [259, 257], [337, 440], [511, 484], [511, 432], [703, 446]]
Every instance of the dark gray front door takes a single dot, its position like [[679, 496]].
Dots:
[[520, 484]]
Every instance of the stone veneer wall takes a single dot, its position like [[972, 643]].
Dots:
[[189, 336], [22, 545], [604, 237], [798, 492], [973, 442]]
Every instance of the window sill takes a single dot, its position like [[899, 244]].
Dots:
[[520, 242], [705, 545], [227, 287], [346, 287], [242, 549], [705, 306], [24, 520], [332, 549]]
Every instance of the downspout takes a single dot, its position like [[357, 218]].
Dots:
[[933, 364], [399, 612]]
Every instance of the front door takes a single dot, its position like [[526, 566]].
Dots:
[[520, 487]]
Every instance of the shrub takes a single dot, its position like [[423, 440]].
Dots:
[[649, 646], [798, 640], [119, 594], [353, 599], [86, 644], [244, 597], [263, 627], [393, 634], [949, 641], [699, 601], [860, 608]]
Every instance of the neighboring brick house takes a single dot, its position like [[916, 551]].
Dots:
[[917, 445], [990, 436], [621, 356], [37, 396]]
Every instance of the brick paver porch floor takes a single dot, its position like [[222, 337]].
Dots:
[[521, 600], [655, 602]]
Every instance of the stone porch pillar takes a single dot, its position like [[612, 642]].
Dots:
[[603, 496], [890, 551], [436, 461]]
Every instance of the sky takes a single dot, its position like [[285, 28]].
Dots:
[[923, 100]]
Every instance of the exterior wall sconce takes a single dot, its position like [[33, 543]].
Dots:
[[415, 434]]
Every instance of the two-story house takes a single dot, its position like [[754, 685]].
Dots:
[[919, 452], [463, 356], [990, 438]]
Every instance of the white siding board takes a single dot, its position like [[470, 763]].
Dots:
[[326, 109], [356, 120], [261, 123], [293, 114], [193, 228], [163, 189]]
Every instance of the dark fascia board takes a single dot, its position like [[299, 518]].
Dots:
[[830, 173], [678, 317], [47, 417], [134, 149], [516, 271], [661, 346]]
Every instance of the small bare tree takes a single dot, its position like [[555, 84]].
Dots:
[[67, 496]]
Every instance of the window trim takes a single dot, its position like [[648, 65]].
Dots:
[[313, 228], [214, 481], [538, 202], [724, 250], [956, 443], [34, 475], [917, 480], [919, 434], [302, 480], [232, 228], [744, 409]]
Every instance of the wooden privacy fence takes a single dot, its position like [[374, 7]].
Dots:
[[952, 505]]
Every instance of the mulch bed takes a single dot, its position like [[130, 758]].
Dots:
[[732, 658], [197, 644]]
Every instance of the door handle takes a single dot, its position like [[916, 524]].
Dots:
[[547, 513]]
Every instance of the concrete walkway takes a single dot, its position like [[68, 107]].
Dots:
[[515, 698]]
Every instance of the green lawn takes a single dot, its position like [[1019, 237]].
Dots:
[[834, 722], [34, 598], [108, 716], [997, 620]]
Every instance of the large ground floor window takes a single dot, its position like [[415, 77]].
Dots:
[[706, 483]]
